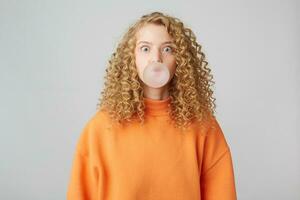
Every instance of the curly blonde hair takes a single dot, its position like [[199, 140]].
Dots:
[[190, 89]]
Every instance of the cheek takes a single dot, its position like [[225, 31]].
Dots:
[[172, 66], [139, 63]]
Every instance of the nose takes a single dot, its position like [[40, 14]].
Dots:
[[156, 57]]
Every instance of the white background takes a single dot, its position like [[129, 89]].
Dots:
[[53, 56]]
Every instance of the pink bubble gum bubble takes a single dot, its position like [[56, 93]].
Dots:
[[156, 75]]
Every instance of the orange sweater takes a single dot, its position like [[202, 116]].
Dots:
[[154, 161]]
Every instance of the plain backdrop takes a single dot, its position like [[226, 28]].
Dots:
[[53, 56]]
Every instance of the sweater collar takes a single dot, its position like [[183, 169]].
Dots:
[[157, 107]]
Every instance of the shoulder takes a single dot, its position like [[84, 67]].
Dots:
[[207, 125], [211, 132], [92, 131], [215, 136], [100, 118]]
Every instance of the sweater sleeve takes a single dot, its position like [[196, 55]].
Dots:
[[84, 175], [217, 177]]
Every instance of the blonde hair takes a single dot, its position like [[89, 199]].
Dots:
[[190, 89]]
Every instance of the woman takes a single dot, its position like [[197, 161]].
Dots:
[[147, 142]]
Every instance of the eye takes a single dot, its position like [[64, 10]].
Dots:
[[168, 49], [144, 48]]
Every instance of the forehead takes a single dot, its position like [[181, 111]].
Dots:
[[152, 32]]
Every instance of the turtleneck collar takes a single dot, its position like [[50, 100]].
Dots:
[[157, 107]]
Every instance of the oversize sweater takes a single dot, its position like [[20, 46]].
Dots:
[[154, 161]]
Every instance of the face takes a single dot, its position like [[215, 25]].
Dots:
[[153, 43]]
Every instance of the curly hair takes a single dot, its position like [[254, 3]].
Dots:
[[190, 89]]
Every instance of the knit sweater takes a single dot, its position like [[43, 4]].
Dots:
[[154, 161]]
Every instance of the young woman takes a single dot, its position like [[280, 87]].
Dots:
[[155, 135]]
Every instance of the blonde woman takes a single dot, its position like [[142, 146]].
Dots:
[[150, 141]]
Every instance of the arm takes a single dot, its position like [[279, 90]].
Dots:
[[84, 176], [83, 180], [217, 177]]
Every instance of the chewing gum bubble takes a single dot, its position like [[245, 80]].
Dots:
[[156, 75]]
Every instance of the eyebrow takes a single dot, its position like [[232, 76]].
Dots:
[[167, 42]]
